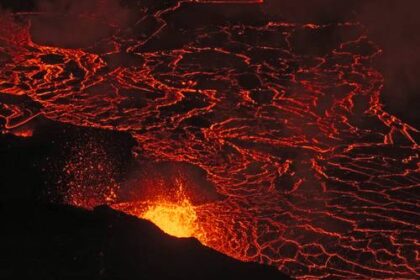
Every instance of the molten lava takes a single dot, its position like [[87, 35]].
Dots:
[[177, 218], [174, 219]]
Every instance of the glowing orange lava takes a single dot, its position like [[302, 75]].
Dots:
[[175, 219], [172, 213], [24, 133]]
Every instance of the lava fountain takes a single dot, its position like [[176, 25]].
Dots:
[[173, 213], [175, 218]]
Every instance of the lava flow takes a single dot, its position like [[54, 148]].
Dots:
[[284, 119]]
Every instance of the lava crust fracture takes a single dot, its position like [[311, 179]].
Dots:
[[318, 179]]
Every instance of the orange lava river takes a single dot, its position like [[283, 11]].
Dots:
[[315, 177]]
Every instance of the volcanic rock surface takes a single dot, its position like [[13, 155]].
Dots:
[[41, 241]]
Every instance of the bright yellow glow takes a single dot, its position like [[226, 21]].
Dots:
[[174, 215], [175, 219]]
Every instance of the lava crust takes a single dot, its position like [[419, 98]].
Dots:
[[284, 119]]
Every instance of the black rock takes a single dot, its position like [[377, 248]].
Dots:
[[46, 241]]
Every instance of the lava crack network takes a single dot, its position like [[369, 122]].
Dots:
[[318, 179]]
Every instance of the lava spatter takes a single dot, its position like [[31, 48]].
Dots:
[[172, 211], [318, 179]]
